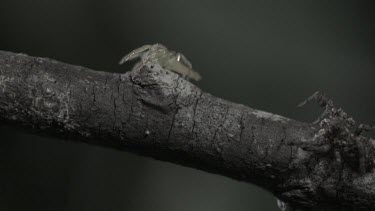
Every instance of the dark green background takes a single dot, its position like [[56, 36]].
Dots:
[[265, 54]]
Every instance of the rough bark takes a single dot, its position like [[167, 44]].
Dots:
[[156, 113]]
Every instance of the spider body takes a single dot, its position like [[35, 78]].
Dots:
[[159, 54]]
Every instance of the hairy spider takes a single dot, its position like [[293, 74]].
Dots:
[[341, 137]]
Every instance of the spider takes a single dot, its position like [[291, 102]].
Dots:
[[170, 60], [340, 135]]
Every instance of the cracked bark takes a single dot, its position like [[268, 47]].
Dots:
[[156, 113]]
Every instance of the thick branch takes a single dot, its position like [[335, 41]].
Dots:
[[154, 112]]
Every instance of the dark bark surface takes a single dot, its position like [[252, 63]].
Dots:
[[156, 113]]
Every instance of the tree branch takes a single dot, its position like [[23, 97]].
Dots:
[[156, 113]]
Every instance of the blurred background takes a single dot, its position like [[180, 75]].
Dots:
[[265, 54]]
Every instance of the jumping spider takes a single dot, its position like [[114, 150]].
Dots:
[[170, 60], [340, 137]]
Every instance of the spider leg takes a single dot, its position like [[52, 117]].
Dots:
[[364, 128], [144, 59], [321, 117], [309, 99], [134, 54], [323, 101], [320, 98], [182, 69]]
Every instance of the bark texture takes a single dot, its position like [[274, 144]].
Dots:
[[156, 113]]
